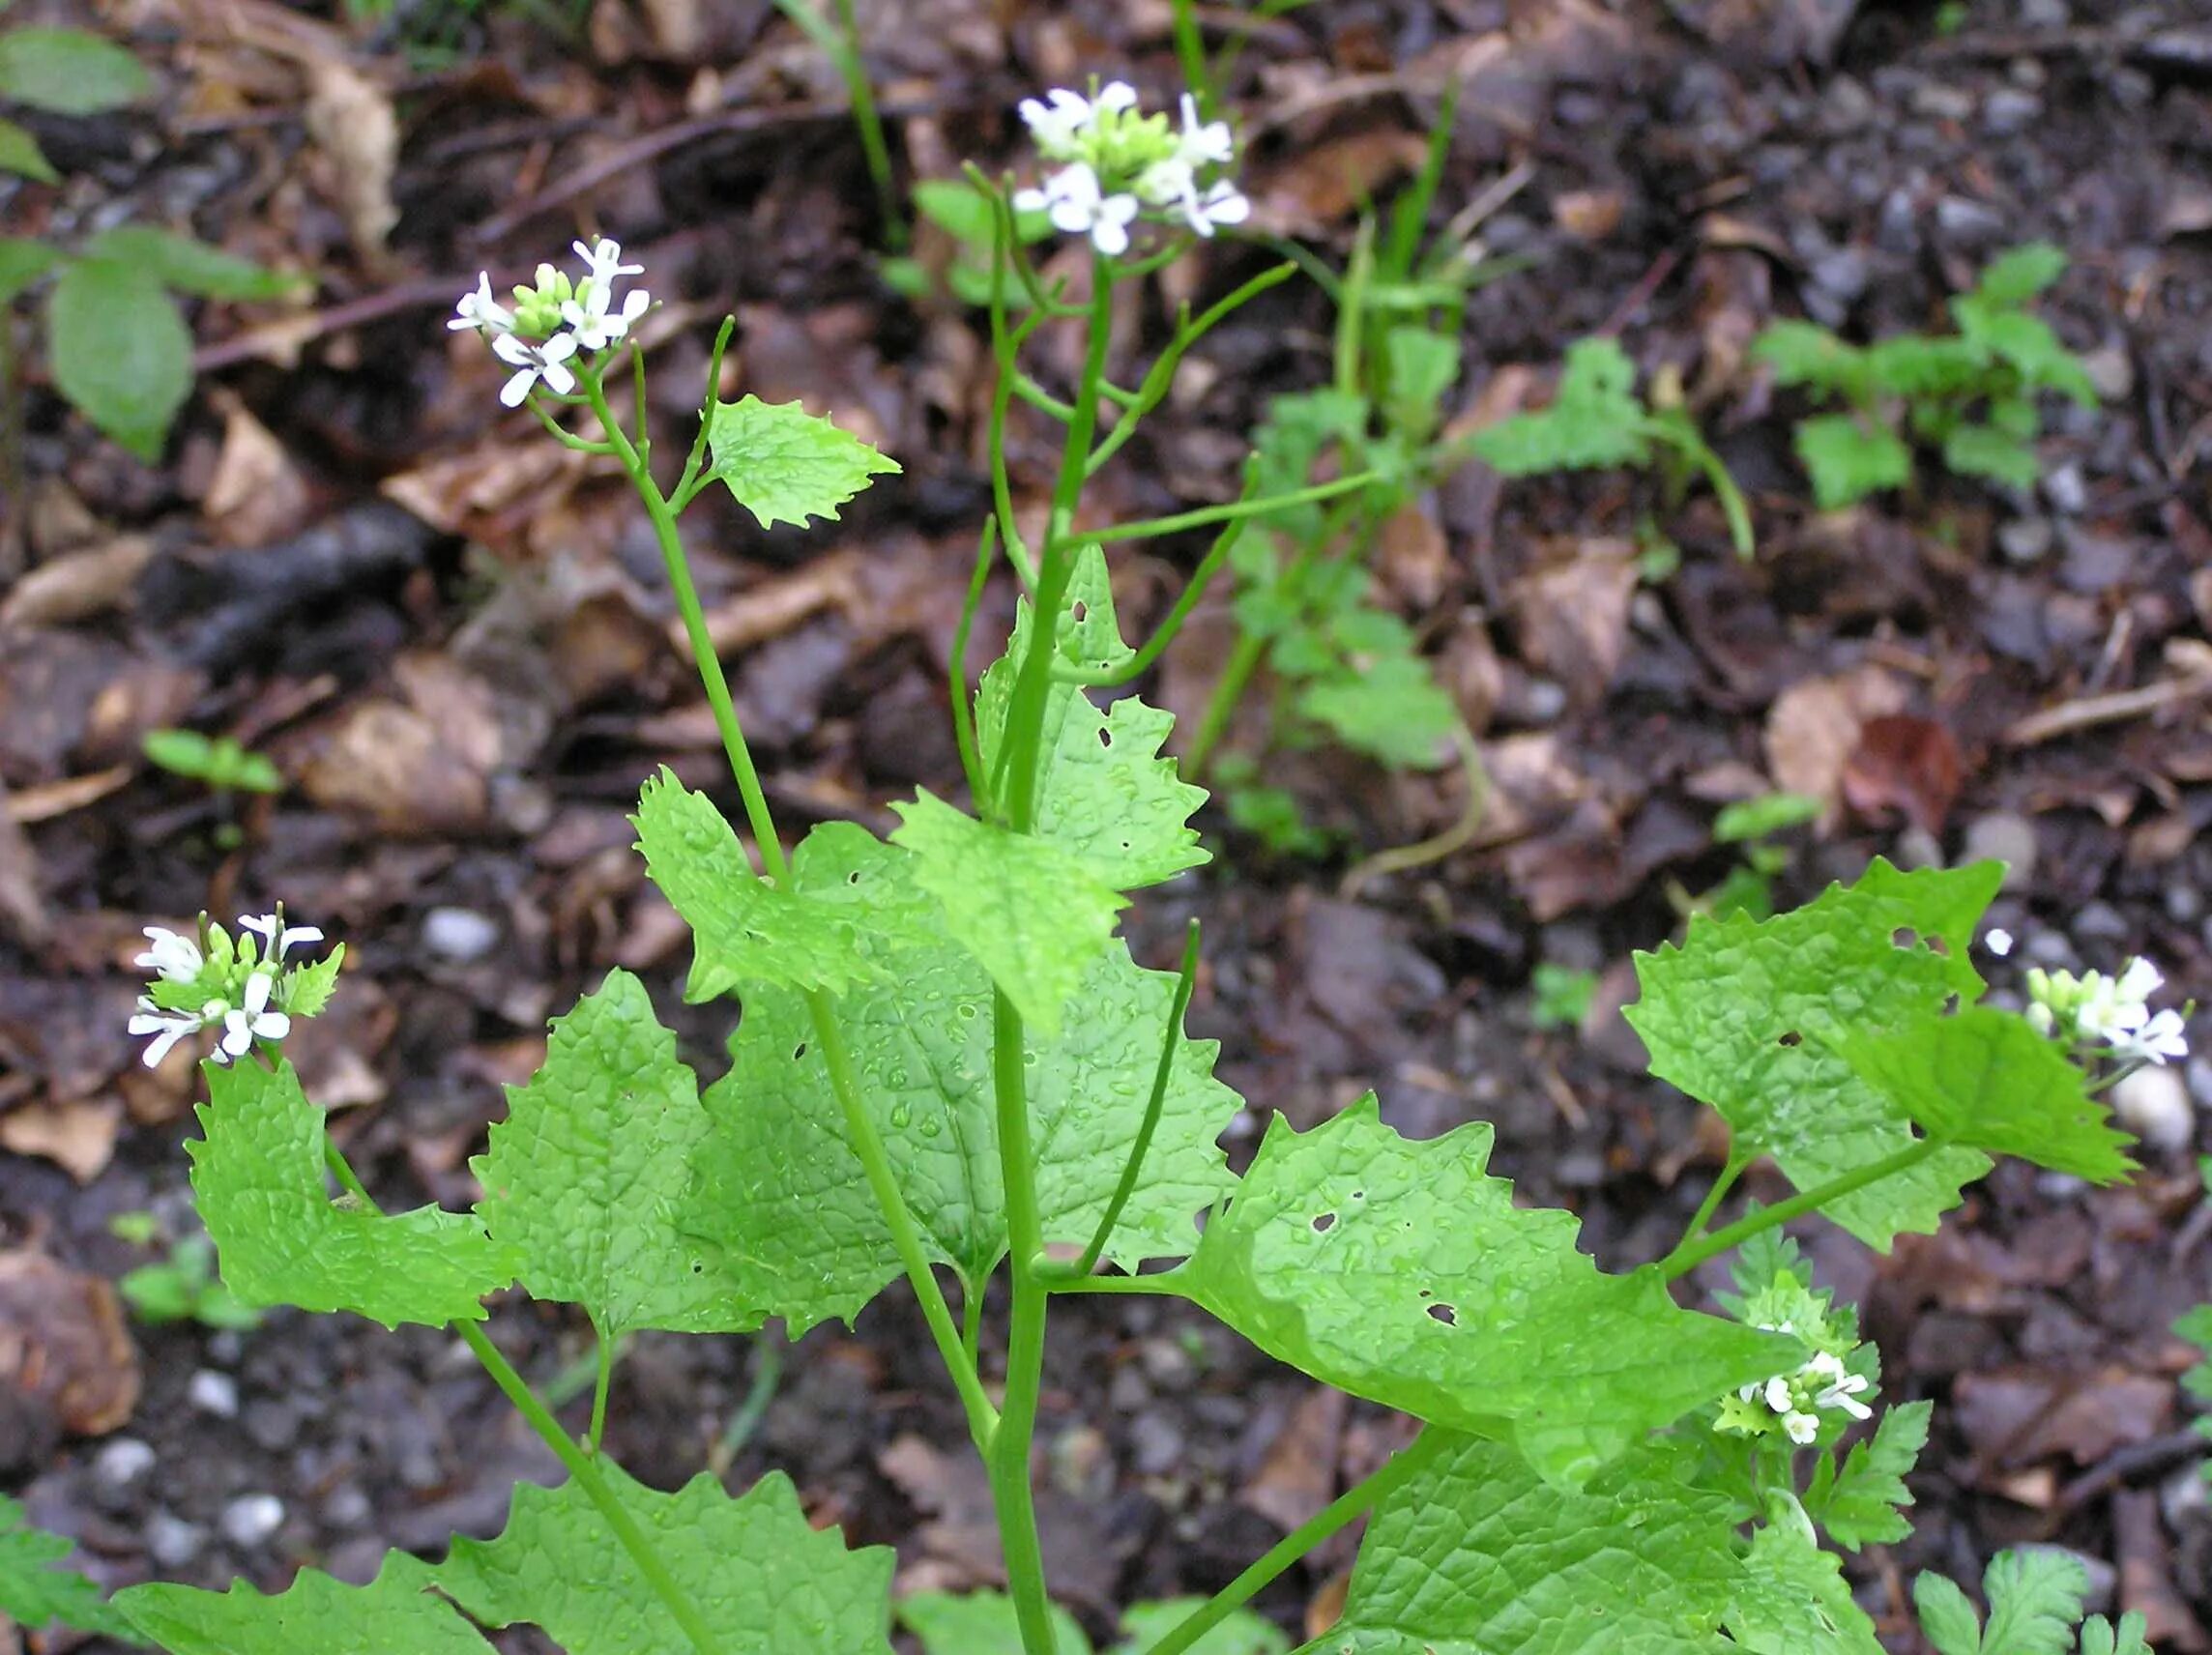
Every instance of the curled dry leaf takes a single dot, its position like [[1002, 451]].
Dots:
[[64, 1346], [1573, 617], [1902, 765], [77, 1134], [352, 124], [1813, 727]]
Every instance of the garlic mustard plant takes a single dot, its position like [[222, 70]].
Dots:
[[950, 1071], [2110, 1016], [1117, 162]]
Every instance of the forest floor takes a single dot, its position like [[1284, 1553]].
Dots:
[[452, 638]]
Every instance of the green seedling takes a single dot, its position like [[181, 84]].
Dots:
[[183, 1287], [1560, 996], [1749, 888], [218, 761]]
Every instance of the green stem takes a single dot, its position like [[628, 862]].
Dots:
[[1221, 705], [963, 716], [768, 1369], [1193, 590], [600, 1385], [579, 1464], [871, 123], [1726, 1182], [686, 485], [1191, 55], [1205, 516], [1355, 1502], [1694, 1252]]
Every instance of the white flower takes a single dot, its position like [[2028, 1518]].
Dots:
[[2163, 1036], [1205, 142], [1223, 204], [532, 362], [1777, 1396], [479, 310], [2040, 1018], [594, 326], [1801, 1427], [2139, 981], [1167, 181], [1842, 1387], [251, 1021], [277, 937], [1061, 120], [1998, 941], [1071, 199], [606, 260], [173, 957], [166, 1026]]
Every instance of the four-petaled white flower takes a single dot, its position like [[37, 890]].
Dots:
[[1115, 162], [1223, 204], [172, 957], [1205, 143], [1071, 199], [532, 362], [1057, 123], [606, 260], [1801, 1428], [593, 324], [166, 1026], [277, 937], [2164, 1035], [1841, 1388], [251, 1020], [481, 312]]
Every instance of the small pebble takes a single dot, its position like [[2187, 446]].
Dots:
[[2153, 1104], [2183, 1496], [1843, 273], [1917, 848], [2004, 837], [2111, 370], [2184, 904], [2049, 949], [2045, 14], [1166, 1364], [1155, 1443], [2010, 111], [459, 934], [2064, 488], [172, 1542], [2025, 539], [214, 1393], [1940, 100], [2098, 922], [121, 1462], [251, 1519], [1126, 1392], [1961, 219], [346, 1506], [226, 1347]]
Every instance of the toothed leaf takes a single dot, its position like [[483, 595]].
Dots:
[[785, 464]]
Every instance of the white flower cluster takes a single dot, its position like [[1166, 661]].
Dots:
[[2111, 1013], [1796, 1398], [240, 986], [553, 319], [1116, 162]]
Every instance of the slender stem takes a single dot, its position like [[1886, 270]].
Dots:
[[565, 438], [1041, 399], [760, 1391], [972, 1323], [601, 1384], [581, 1465], [1221, 705], [697, 457], [1006, 344], [1355, 1502], [644, 442], [1193, 590], [871, 125], [1726, 1182], [1205, 516], [1694, 1252], [1403, 859], [963, 714], [1185, 982], [1166, 1283], [1191, 55]]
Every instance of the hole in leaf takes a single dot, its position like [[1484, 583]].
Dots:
[[698, 1266], [799, 1051], [1905, 937], [1077, 610], [1105, 737], [1938, 947], [1323, 1223], [1950, 1005], [1791, 1038], [1359, 1195], [1444, 1314], [852, 878]]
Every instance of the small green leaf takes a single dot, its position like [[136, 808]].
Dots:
[[22, 261], [1422, 366], [19, 154], [1594, 422], [397, 1614], [121, 354], [1754, 1017], [582, 1179], [1947, 1617], [1756, 818], [2014, 278], [1983, 450], [762, 1576], [69, 72], [785, 464], [1388, 707], [185, 265], [980, 1623], [1793, 1600], [2099, 1637], [1863, 1503], [37, 1589], [1804, 353], [1986, 1079], [1849, 459], [782, 1193], [1030, 910], [745, 932], [219, 761], [259, 1173], [1243, 1632], [1478, 1555], [2035, 1599], [305, 990], [1401, 1272]]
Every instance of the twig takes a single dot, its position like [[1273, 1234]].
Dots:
[[2091, 710]]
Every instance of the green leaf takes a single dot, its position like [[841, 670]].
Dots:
[[745, 932], [965, 212], [1388, 707], [37, 1590], [2035, 1599], [1947, 1617], [1422, 366], [1243, 1632], [121, 354], [2014, 278], [1804, 353], [69, 72], [1754, 1016], [1478, 1555], [782, 1194], [1030, 910], [19, 154], [1399, 1272], [785, 464], [980, 1623], [185, 264], [1792, 1599], [315, 1616], [2099, 1637], [1594, 422], [1983, 450], [22, 261], [583, 1178], [257, 1175], [1849, 459], [305, 990], [1863, 1503], [1104, 792], [219, 761], [765, 1580], [1290, 443], [1769, 813], [1986, 1079]]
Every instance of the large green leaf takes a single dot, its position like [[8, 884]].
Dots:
[[185, 265], [1754, 1017], [980, 1623], [1103, 790], [120, 352], [1400, 1271], [786, 1200], [784, 463], [1030, 910], [1477, 1554], [1792, 1599], [745, 932], [582, 1179], [69, 72], [315, 1616], [37, 1589], [22, 261], [258, 1179], [765, 1580]]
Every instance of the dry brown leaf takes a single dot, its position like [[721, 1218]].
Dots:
[[352, 124], [1298, 1477], [22, 906], [64, 1344], [256, 496], [1322, 184], [1573, 617], [394, 766], [1588, 214], [77, 1134], [1904, 764], [78, 585], [1812, 729]]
